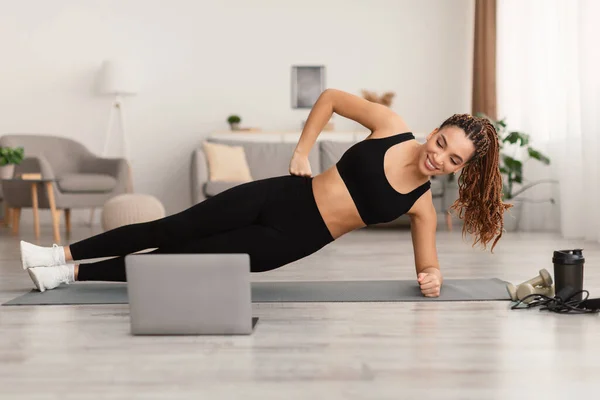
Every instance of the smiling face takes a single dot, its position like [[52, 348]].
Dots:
[[447, 150]]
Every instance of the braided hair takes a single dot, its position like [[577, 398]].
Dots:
[[480, 183]]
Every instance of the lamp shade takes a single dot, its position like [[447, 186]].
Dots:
[[117, 77]]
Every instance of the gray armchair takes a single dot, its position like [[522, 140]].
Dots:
[[80, 178]]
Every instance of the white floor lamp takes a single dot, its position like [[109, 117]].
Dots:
[[117, 79]]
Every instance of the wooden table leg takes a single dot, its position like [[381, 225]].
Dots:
[[53, 211], [36, 216]]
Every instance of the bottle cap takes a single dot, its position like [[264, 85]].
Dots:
[[574, 256]]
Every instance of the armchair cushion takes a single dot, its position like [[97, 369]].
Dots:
[[86, 183], [105, 166]]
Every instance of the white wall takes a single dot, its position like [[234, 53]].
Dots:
[[203, 60]]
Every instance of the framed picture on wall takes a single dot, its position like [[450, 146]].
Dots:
[[308, 82]]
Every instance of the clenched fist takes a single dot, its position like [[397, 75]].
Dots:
[[300, 165], [430, 284]]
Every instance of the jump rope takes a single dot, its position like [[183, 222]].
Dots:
[[564, 302]]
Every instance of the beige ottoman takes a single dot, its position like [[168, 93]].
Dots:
[[131, 208]]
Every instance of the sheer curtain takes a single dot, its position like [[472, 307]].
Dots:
[[549, 87]]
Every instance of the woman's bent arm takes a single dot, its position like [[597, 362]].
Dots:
[[373, 116]]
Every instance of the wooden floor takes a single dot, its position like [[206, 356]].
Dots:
[[439, 350]]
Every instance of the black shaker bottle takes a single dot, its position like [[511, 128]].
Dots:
[[568, 271]]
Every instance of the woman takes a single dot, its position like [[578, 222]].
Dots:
[[283, 219]]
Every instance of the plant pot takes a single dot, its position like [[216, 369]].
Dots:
[[512, 216], [235, 126], [7, 171]]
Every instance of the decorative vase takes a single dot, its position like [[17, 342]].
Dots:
[[7, 171], [235, 126]]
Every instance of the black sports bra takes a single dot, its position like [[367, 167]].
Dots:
[[362, 170]]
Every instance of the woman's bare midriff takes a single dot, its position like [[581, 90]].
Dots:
[[335, 203]]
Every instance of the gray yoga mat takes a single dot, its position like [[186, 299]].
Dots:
[[264, 292]]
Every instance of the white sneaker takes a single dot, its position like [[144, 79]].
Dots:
[[38, 256], [51, 277]]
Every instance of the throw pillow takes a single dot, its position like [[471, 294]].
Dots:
[[226, 163]]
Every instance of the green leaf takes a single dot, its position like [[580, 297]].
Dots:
[[511, 164], [518, 177], [11, 156], [514, 137], [538, 156], [524, 139]]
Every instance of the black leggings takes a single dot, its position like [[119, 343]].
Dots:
[[275, 221]]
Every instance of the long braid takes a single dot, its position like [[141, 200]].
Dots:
[[480, 184]]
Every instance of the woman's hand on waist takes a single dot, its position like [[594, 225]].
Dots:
[[299, 165]]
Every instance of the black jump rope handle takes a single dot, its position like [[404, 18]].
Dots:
[[590, 304]]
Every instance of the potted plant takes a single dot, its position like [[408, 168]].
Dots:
[[234, 122], [9, 157], [512, 145]]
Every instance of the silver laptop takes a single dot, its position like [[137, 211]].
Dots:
[[189, 294]]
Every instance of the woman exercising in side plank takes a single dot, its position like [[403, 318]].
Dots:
[[282, 219]]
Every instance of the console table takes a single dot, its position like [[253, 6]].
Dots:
[[15, 213]]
